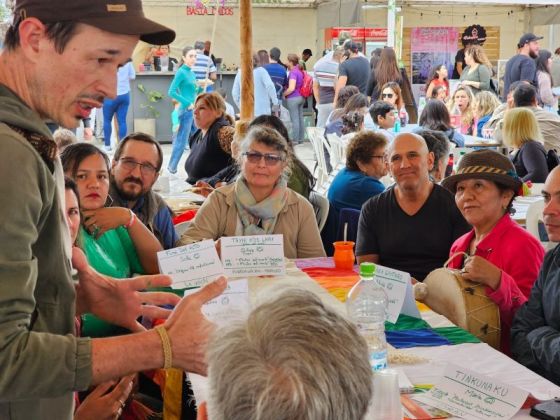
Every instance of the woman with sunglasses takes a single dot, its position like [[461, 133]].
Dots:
[[260, 202], [391, 93], [114, 241]]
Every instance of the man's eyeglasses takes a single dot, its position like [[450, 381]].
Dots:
[[145, 168], [382, 157], [387, 95], [269, 158]]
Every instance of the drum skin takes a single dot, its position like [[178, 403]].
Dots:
[[463, 302]]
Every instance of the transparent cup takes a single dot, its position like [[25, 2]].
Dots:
[[386, 404]]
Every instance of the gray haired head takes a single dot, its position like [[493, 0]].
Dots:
[[293, 358]]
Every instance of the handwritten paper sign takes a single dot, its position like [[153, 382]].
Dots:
[[191, 265], [259, 255], [399, 292], [470, 395], [232, 305]]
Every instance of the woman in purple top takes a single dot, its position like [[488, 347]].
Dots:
[[294, 100]]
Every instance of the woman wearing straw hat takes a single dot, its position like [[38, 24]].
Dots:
[[500, 254]]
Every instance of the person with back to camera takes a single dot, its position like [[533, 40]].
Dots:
[[294, 100], [501, 254], [357, 102], [435, 116], [292, 358], [259, 201], [264, 91], [521, 133]]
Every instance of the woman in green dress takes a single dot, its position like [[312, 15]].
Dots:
[[114, 241]]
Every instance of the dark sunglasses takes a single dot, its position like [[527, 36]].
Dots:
[[269, 158], [387, 95]]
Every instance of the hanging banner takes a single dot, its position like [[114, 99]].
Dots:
[[208, 7], [430, 47]]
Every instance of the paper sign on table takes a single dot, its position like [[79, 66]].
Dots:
[[470, 395], [244, 256], [191, 265], [399, 292], [233, 304]]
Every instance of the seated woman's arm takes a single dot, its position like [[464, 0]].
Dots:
[[147, 246], [534, 161], [145, 242]]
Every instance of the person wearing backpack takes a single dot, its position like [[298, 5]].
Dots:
[[264, 90], [294, 98], [521, 133]]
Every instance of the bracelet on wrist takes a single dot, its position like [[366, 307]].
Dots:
[[131, 221], [166, 345]]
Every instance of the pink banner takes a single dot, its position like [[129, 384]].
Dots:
[[438, 39], [431, 47]]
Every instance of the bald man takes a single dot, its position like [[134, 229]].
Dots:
[[410, 226], [535, 332]]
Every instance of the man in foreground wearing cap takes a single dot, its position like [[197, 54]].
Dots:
[[522, 65], [60, 61], [535, 332]]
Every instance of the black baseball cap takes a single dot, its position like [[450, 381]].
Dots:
[[124, 17], [308, 52], [526, 38]]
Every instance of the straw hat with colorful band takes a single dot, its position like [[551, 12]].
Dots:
[[485, 164], [124, 17]]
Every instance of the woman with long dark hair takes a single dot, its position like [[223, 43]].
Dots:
[[386, 70], [435, 116], [548, 100]]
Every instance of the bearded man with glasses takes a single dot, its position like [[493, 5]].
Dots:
[[135, 168]]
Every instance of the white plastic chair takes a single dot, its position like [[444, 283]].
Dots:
[[533, 218], [336, 149], [316, 138], [321, 206]]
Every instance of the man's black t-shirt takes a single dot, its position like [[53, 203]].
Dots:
[[459, 59], [519, 67], [415, 244], [357, 70]]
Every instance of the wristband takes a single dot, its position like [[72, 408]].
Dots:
[[166, 344], [131, 221]]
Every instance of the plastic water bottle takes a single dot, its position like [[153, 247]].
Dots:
[[367, 307], [397, 126]]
